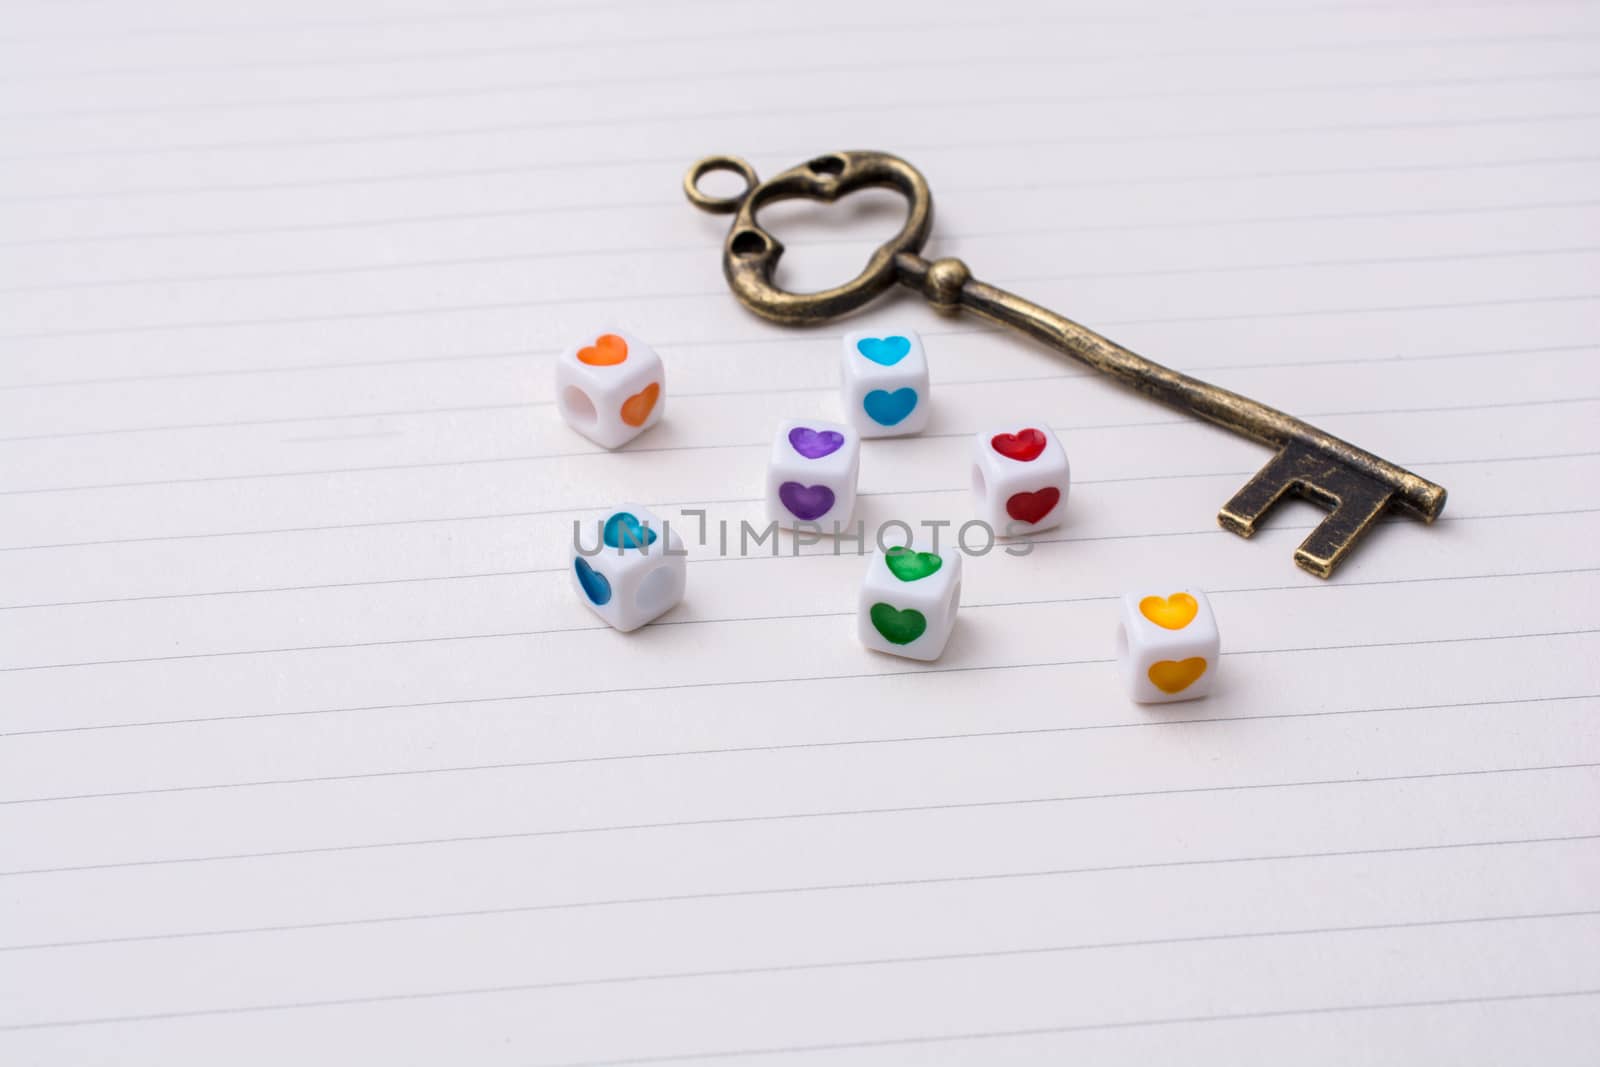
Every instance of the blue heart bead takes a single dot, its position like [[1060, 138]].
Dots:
[[595, 585], [888, 408], [624, 530], [885, 351]]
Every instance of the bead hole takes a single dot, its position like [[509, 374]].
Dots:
[[656, 591], [577, 406]]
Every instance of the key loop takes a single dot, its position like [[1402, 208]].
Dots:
[[718, 205], [750, 254]]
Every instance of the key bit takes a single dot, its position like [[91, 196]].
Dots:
[[1355, 501], [1356, 486]]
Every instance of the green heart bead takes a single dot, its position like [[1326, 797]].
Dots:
[[908, 566], [898, 627]]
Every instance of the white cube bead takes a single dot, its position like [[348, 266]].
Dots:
[[885, 382], [610, 387], [638, 572], [812, 473], [908, 602], [1020, 479], [1167, 645]]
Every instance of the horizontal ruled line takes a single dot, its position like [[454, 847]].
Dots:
[[500, 14], [633, 163], [524, 572], [317, 368], [905, 672], [767, 112], [896, 27], [469, 53], [526, 257], [612, 40], [505, 515], [367, 22], [519, 305], [808, 967], [1121, 181], [1080, 428], [1072, 1028], [1059, 376], [592, 451], [900, 883], [731, 820], [511, 635], [518, 765], [768, 70]]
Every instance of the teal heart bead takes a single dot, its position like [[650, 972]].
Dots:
[[624, 530], [886, 408], [594, 584], [884, 351]]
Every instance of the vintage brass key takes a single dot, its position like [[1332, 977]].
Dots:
[[1355, 485]]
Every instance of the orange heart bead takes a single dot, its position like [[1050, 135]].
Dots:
[[637, 407], [607, 351]]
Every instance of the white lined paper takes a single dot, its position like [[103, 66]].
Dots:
[[307, 752]]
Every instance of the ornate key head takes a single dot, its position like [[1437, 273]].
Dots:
[[750, 254]]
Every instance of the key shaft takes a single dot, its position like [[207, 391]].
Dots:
[[948, 285]]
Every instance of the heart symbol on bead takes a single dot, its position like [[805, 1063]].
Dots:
[[624, 530], [886, 408], [898, 627], [884, 351], [1023, 446], [814, 444], [1173, 612], [607, 351], [1033, 507], [1174, 676], [637, 407], [594, 584], [805, 501], [908, 566]]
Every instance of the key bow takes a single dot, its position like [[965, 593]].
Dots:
[[750, 254]]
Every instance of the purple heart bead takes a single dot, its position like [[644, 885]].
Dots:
[[814, 444], [805, 501]]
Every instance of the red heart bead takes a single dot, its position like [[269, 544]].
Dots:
[[1032, 507], [1023, 446]]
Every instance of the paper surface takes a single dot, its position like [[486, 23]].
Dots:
[[312, 756]]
